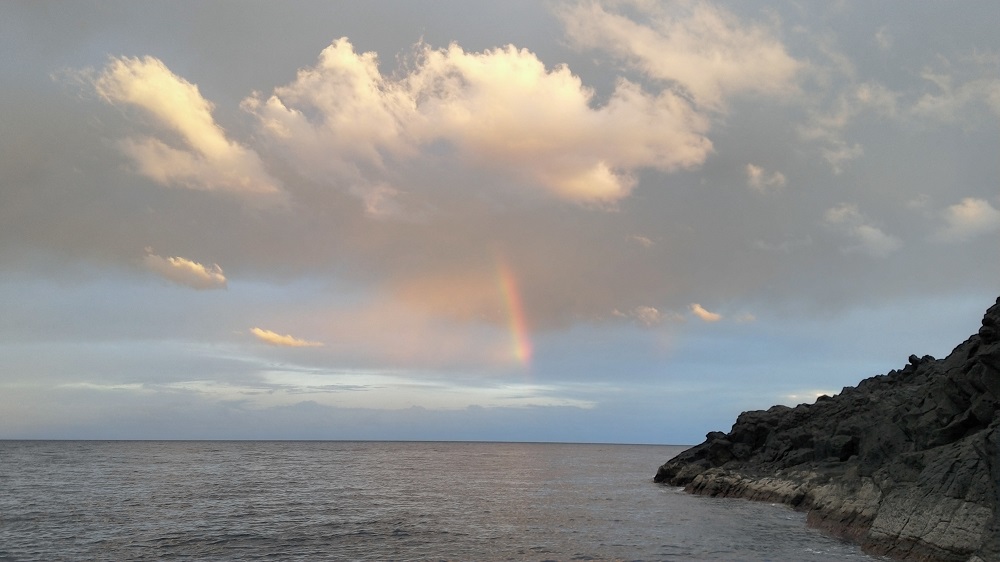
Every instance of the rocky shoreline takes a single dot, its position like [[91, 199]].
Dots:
[[907, 464]]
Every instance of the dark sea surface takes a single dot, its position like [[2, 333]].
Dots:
[[308, 500]]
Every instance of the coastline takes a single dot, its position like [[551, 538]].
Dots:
[[906, 464]]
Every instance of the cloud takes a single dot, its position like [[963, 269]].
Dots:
[[457, 152], [878, 98], [761, 181], [186, 272], [873, 241], [705, 315], [968, 219], [501, 110], [848, 221], [883, 38], [827, 125], [952, 96], [785, 246], [642, 241], [648, 316], [806, 396], [272, 338], [841, 152], [704, 50], [200, 155], [920, 202]]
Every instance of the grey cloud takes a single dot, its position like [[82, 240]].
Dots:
[[387, 249]]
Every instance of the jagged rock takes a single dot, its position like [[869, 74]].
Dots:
[[906, 463]]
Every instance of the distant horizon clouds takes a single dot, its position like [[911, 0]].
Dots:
[[286, 340]]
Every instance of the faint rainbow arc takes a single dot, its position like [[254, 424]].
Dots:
[[517, 323]]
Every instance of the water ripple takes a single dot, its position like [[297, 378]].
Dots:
[[375, 501]]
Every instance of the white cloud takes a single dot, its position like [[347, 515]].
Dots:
[[647, 315], [762, 181], [968, 219], [705, 315], [874, 242], [703, 49], [642, 241], [878, 98], [843, 214], [378, 389], [500, 110], [948, 102], [272, 338], [204, 157], [959, 88], [186, 272], [870, 240], [840, 152]]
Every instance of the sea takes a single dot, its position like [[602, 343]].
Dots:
[[343, 500]]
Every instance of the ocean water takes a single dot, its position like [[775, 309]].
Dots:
[[307, 500]]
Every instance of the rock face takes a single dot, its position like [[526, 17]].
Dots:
[[907, 463]]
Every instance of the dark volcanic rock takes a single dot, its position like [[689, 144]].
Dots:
[[907, 463]]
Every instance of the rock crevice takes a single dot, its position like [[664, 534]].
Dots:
[[907, 463]]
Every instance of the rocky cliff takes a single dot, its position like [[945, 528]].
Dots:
[[907, 463]]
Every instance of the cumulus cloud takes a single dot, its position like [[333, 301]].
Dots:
[[500, 110], [186, 272], [968, 219], [201, 157], [762, 181], [704, 50], [705, 315], [273, 338], [870, 240]]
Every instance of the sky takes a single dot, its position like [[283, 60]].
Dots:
[[596, 221]]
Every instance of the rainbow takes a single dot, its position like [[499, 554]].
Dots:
[[518, 325]]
